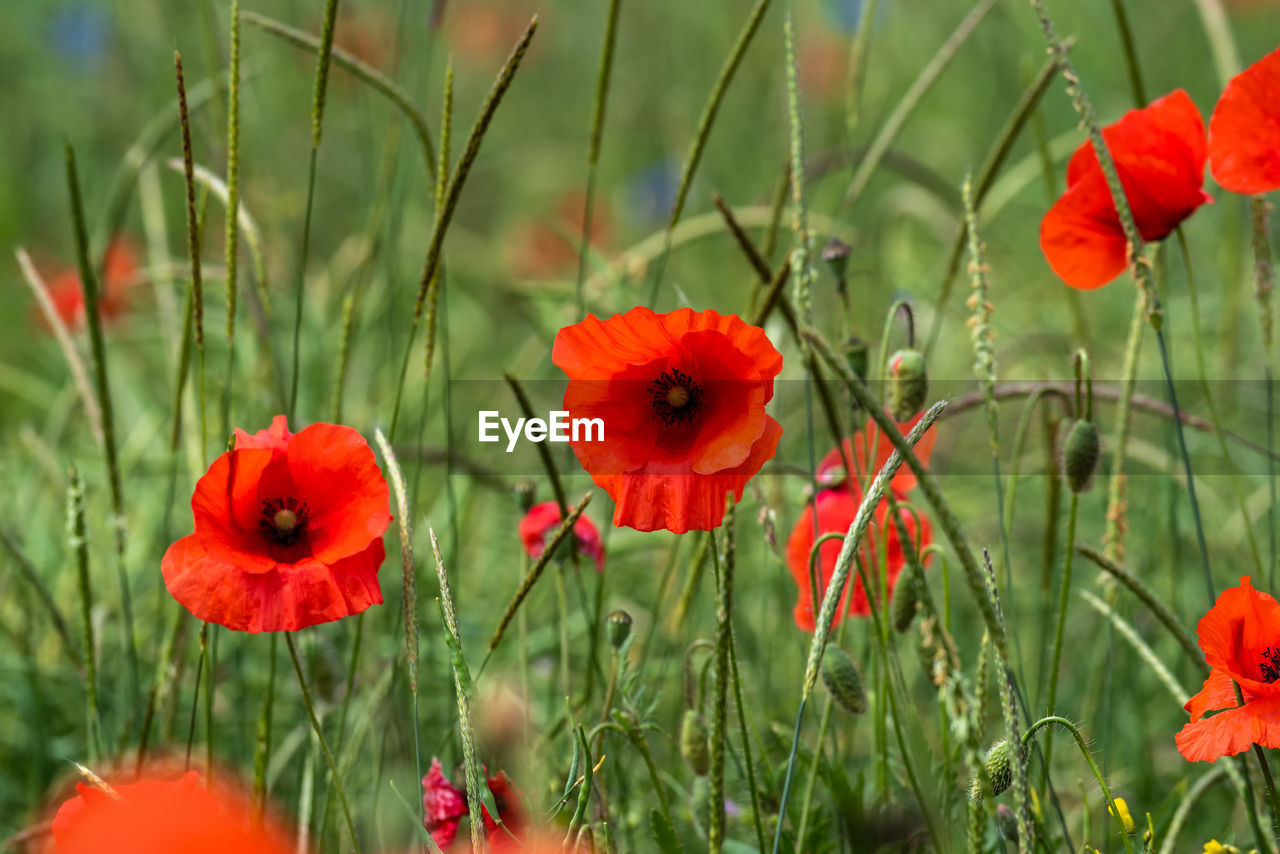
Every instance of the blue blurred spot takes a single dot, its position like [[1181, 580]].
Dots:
[[651, 192], [843, 14], [80, 32]]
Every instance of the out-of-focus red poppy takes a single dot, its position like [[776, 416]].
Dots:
[[837, 503], [1159, 153], [482, 32], [1240, 636], [119, 275], [1244, 130], [446, 805], [544, 250], [822, 64], [288, 531], [161, 817], [681, 397], [540, 523]]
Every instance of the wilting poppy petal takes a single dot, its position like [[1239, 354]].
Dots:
[[1244, 130], [1159, 152], [1218, 693], [681, 397], [288, 532]]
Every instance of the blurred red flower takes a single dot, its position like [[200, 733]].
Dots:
[[544, 250], [837, 501], [119, 275], [1240, 636], [1159, 153], [682, 398], [540, 523], [161, 817], [288, 531], [1244, 130], [446, 805]]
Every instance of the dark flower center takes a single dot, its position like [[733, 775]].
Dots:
[[675, 397], [283, 520], [1271, 667]]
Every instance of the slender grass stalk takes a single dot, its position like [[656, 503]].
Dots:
[[1093, 767], [1064, 595], [1022, 112], [835, 589], [566, 526], [193, 249], [29, 572], [1169, 844], [920, 87], [548, 464], [78, 543], [1157, 608], [429, 281], [1129, 633], [1138, 267], [724, 571], [318, 93], [463, 685], [232, 221], [210, 673], [757, 816], [1232, 470], [1130, 52], [1264, 285], [1217, 29], [859, 49], [324, 746], [362, 71], [593, 146], [201, 663], [89, 287], [703, 132], [262, 743], [79, 375]]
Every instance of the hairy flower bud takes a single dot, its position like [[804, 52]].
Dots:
[[693, 742], [1080, 452], [906, 594], [843, 681], [908, 384]]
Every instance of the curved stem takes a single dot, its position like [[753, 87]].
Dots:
[[1063, 598], [1093, 766]]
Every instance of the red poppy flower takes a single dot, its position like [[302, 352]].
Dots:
[[1244, 130], [837, 505], [160, 817], [681, 397], [540, 523], [1240, 636], [288, 531], [119, 274], [1159, 152], [446, 805]]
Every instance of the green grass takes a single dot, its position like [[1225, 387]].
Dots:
[[902, 770]]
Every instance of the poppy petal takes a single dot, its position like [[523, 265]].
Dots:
[[1081, 236], [226, 506], [1218, 693], [1230, 732], [1236, 632], [1244, 130]]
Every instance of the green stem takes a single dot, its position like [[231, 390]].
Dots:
[[593, 148], [324, 746], [1063, 597], [1093, 767]]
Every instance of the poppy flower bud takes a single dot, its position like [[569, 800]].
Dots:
[[908, 384], [836, 254], [618, 628], [693, 742], [1080, 452], [855, 352], [843, 680], [1007, 823], [906, 594], [999, 765]]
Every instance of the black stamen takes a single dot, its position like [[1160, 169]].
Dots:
[[1271, 668], [675, 397], [276, 528]]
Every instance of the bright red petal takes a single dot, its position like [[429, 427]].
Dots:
[[1231, 732], [1081, 236], [286, 598], [227, 508], [276, 437], [1236, 632], [1244, 130], [1218, 693]]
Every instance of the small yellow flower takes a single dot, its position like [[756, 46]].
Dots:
[[1213, 846], [1122, 809]]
